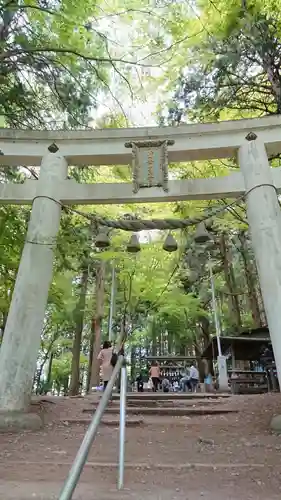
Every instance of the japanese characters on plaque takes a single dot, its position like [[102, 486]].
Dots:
[[150, 163]]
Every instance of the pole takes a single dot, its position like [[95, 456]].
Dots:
[[111, 301], [214, 304], [82, 454], [222, 368], [123, 393]]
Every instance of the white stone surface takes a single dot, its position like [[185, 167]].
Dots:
[[107, 147], [264, 216], [21, 341], [19, 422], [73, 193], [275, 424], [223, 375]]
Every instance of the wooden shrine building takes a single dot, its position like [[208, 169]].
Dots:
[[250, 360]]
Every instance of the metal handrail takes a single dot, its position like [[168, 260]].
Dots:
[[123, 394], [82, 454]]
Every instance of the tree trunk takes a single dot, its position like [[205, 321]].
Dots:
[[66, 391], [7, 300], [37, 379], [200, 362], [123, 328], [4, 321], [154, 339], [7, 15], [231, 285], [273, 76], [49, 376], [170, 343], [251, 280], [263, 318], [133, 363], [206, 339], [182, 346], [79, 321], [205, 330], [91, 351], [97, 323]]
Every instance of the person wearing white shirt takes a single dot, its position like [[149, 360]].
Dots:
[[194, 377]]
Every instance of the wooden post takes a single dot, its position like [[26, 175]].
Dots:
[[233, 366], [264, 216]]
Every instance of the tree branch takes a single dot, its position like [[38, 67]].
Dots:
[[58, 50]]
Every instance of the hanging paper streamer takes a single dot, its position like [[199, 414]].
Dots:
[[150, 164]]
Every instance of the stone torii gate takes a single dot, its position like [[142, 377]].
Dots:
[[251, 141]]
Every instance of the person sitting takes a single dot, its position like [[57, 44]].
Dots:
[[165, 385], [185, 382], [176, 386]]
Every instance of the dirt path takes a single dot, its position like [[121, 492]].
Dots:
[[193, 485], [232, 457]]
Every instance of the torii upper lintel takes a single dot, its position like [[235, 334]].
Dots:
[[108, 146]]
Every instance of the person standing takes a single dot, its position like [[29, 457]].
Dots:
[[194, 377], [208, 381], [104, 357], [140, 382], [155, 375]]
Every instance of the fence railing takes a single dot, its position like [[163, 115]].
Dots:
[[82, 454]]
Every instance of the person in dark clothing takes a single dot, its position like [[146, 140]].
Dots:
[[139, 381], [267, 361]]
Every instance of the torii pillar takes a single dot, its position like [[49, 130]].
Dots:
[[20, 346], [264, 216]]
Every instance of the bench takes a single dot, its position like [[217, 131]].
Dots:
[[254, 385]]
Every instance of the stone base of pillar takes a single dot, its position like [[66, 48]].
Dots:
[[19, 421], [275, 424], [224, 390], [223, 376]]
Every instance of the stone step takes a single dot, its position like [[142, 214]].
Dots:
[[167, 411], [169, 403], [161, 396], [109, 422]]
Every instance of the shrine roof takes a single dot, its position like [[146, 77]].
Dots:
[[244, 347]]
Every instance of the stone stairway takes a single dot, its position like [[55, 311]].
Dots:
[[181, 396], [217, 456], [175, 411], [142, 408]]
